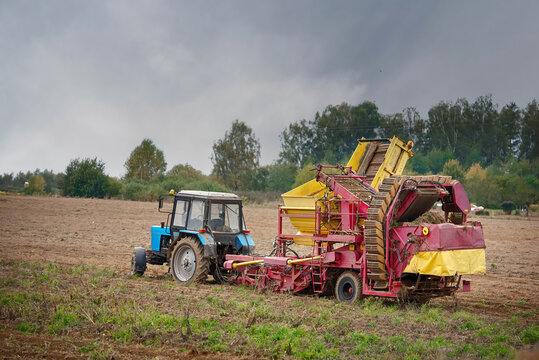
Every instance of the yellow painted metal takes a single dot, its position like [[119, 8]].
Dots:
[[297, 261], [235, 265], [448, 263], [303, 199], [395, 160]]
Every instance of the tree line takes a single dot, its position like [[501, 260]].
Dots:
[[492, 150]]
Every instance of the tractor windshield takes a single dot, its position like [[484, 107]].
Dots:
[[196, 215], [225, 218]]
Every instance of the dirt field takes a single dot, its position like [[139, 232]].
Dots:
[[100, 234]]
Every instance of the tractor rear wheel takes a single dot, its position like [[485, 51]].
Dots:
[[187, 262], [348, 287]]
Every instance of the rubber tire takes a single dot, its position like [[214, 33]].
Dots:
[[348, 287], [138, 261], [202, 265]]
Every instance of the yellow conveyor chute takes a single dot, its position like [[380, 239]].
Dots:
[[302, 200]]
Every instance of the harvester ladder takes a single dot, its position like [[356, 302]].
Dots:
[[316, 269]]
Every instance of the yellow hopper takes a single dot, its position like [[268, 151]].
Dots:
[[375, 159]]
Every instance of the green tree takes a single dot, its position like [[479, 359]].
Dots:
[[437, 159], [475, 181], [445, 126], [236, 156], [331, 136], [407, 125], [509, 129], [145, 162], [306, 173], [530, 132], [114, 187], [85, 178], [483, 123], [295, 143], [36, 185], [186, 172], [454, 169], [281, 177]]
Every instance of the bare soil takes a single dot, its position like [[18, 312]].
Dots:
[[102, 233]]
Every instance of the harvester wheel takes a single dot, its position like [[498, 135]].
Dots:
[[138, 262], [348, 287], [187, 262]]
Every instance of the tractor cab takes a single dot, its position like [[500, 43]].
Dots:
[[207, 211], [202, 227]]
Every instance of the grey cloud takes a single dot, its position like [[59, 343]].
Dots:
[[85, 79]]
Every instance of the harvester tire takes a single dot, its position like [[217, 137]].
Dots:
[[188, 263], [348, 287], [138, 262]]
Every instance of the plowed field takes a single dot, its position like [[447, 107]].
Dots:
[[72, 256]]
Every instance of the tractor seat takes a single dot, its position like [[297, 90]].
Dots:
[[216, 223]]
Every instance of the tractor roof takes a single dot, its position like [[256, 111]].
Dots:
[[209, 194]]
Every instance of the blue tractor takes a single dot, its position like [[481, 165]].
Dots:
[[202, 228]]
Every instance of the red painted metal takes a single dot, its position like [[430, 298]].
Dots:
[[341, 244]]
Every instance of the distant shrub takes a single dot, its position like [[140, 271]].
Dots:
[[114, 187], [260, 197], [482, 213], [36, 185], [534, 208], [137, 190], [507, 207], [133, 191], [85, 178]]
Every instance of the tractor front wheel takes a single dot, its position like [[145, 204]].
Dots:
[[138, 262], [187, 262], [348, 287]]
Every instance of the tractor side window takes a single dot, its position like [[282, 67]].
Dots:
[[180, 216], [196, 217], [224, 218]]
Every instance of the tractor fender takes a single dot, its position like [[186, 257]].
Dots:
[[245, 244], [207, 241]]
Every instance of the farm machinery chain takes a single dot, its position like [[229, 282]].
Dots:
[[375, 226]]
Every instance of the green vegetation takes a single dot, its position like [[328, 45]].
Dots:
[[492, 151], [86, 178], [146, 162], [236, 156], [237, 320]]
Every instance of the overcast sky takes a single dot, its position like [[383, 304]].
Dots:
[[85, 79]]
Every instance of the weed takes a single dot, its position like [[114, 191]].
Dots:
[[27, 327], [86, 349], [104, 272], [51, 268], [95, 281], [468, 325], [8, 281], [530, 335], [62, 320], [78, 270], [480, 303], [362, 343], [494, 266], [372, 307], [214, 301], [459, 350]]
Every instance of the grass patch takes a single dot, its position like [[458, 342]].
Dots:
[[530, 335], [237, 320]]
